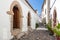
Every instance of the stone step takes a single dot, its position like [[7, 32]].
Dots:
[[41, 29]]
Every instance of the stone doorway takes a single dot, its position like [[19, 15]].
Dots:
[[54, 18], [29, 19], [16, 18], [16, 21], [29, 22]]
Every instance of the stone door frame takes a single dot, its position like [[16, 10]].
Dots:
[[15, 3]]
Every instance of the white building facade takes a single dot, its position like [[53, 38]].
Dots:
[[45, 11], [16, 17], [55, 12]]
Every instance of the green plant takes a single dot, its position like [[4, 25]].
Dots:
[[57, 30], [37, 25], [49, 25], [58, 26], [49, 28]]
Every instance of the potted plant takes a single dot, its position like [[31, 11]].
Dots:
[[57, 31], [50, 29]]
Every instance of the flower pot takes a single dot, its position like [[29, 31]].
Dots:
[[58, 37], [51, 32]]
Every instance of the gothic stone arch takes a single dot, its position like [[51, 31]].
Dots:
[[16, 18]]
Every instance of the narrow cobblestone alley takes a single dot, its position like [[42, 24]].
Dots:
[[38, 35]]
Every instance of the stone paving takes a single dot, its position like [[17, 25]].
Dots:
[[38, 35]]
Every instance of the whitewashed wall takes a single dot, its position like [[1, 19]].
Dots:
[[5, 26], [4, 20], [57, 7]]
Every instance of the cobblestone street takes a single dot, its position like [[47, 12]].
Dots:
[[38, 35]]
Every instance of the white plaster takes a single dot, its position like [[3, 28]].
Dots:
[[5, 24]]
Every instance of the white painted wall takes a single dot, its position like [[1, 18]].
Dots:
[[5, 25], [45, 12], [4, 20], [57, 7]]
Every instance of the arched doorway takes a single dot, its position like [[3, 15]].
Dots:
[[54, 18], [16, 18], [29, 19], [29, 22]]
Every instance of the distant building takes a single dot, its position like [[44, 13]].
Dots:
[[16, 18], [45, 12]]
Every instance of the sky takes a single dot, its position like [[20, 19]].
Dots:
[[36, 4]]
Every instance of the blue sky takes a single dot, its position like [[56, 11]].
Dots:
[[36, 4]]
